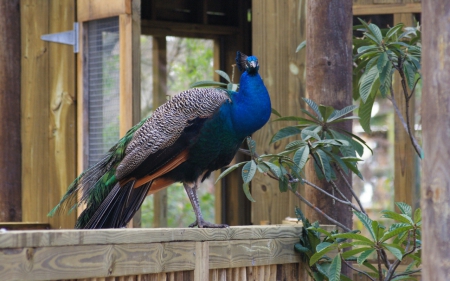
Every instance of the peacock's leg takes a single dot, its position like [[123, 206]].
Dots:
[[200, 222]]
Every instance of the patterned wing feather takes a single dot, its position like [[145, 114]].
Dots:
[[167, 124]]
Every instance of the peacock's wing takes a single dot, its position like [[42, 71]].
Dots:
[[169, 131]]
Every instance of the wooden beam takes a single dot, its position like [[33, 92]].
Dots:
[[62, 115], [162, 28], [380, 9], [99, 9], [405, 158], [436, 130], [329, 82], [72, 237], [10, 141]]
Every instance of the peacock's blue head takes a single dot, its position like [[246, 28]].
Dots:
[[247, 63]]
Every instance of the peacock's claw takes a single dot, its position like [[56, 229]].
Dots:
[[205, 224]]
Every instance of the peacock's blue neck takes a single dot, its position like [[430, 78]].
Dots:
[[250, 108]]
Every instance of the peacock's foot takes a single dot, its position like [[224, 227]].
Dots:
[[205, 224]]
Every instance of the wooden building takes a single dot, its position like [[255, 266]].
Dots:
[[58, 87]]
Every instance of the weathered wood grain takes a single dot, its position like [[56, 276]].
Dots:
[[94, 10], [278, 27], [435, 200], [405, 157], [17, 239], [201, 271], [379, 9]]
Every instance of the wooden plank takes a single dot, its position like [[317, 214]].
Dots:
[[283, 72], [159, 49], [23, 225], [98, 9], [35, 102], [10, 141], [51, 263], [16, 239], [62, 114], [163, 28], [380, 9], [435, 193], [201, 271], [405, 159]]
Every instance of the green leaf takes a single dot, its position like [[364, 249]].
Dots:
[[285, 132], [376, 33], [229, 170], [301, 120], [246, 188], [410, 74], [307, 134], [314, 107], [364, 255], [393, 30], [382, 61], [224, 75], [207, 84], [274, 168], [301, 156], [395, 232], [301, 46], [367, 83], [339, 113], [326, 111], [251, 145], [301, 249], [367, 222], [283, 183], [404, 208], [322, 246], [324, 162], [317, 256], [385, 79], [353, 252], [365, 113], [232, 87], [396, 216], [335, 269], [363, 49], [395, 250], [248, 171], [295, 144], [353, 236], [276, 112], [417, 215]]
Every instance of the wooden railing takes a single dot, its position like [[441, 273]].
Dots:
[[235, 253]]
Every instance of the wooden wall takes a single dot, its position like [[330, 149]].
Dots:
[[48, 110], [278, 28]]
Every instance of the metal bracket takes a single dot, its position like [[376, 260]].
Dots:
[[66, 37]]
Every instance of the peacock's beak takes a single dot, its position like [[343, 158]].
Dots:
[[253, 64]]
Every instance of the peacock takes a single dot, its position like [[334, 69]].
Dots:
[[187, 138]]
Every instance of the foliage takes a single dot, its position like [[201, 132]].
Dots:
[[325, 256], [377, 55]]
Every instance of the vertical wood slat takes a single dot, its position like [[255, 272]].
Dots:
[[201, 271], [10, 149], [48, 119], [159, 97], [283, 72], [405, 159]]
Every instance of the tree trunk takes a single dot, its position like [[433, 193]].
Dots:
[[436, 132], [329, 82], [10, 146]]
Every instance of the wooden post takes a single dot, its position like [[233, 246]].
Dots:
[[159, 97], [10, 142], [329, 82], [404, 154], [436, 130]]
